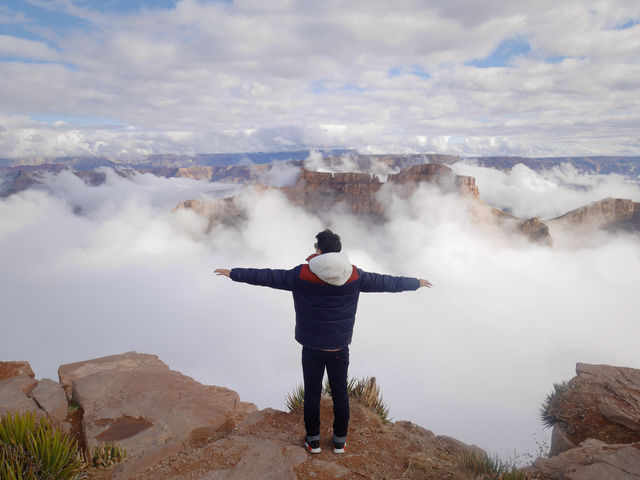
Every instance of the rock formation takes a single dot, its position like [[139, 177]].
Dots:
[[613, 214], [320, 192], [438, 174], [596, 426], [174, 428]]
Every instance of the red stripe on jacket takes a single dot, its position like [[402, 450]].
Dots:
[[307, 275]]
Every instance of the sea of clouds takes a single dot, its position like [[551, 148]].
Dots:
[[92, 271]]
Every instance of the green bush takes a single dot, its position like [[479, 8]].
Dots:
[[37, 450]]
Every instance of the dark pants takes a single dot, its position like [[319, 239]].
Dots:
[[314, 363]]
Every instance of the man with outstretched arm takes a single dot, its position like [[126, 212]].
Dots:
[[325, 297]]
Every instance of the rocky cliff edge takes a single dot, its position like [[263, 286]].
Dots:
[[174, 427]]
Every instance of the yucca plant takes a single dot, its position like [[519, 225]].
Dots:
[[107, 454], [36, 449], [549, 408], [367, 392], [295, 399], [364, 390], [487, 467]]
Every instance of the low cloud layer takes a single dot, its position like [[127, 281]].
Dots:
[[549, 193], [91, 271], [511, 77]]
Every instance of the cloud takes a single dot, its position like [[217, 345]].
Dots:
[[393, 80], [91, 271], [546, 194], [19, 48]]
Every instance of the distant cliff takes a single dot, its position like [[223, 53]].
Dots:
[[613, 214], [323, 193]]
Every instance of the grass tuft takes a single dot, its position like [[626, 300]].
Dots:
[[486, 467]]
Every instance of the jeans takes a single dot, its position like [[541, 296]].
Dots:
[[314, 363]]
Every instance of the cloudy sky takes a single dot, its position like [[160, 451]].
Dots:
[[126, 78]]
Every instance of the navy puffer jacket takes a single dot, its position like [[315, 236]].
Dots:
[[325, 295]]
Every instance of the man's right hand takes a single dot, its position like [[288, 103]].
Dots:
[[223, 271], [425, 283]]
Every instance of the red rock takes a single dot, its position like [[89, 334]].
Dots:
[[14, 369]]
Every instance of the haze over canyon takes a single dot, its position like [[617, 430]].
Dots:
[[98, 261]]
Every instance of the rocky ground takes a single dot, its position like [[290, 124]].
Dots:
[[176, 428]]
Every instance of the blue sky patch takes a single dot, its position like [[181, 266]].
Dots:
[[126, 6], [416, 70], [42, 17], [628, 24], [556, 59], [503, 54]]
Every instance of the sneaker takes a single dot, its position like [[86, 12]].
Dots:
[[313, 446], [339, 447]]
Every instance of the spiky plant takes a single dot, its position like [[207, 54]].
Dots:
[[550, 406], [364, 390], [295, 399], [36, 449], [367, 392], [486, 467], [107, 454]]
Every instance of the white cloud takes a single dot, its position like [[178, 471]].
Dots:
[[20, 48], [126, 274], [389, 77], [547, 194]]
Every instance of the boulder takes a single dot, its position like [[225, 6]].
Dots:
[[14, 395], [592, 460], [601, 402], [559, 442], [596, 431], [50, 396], [136, 401], [15, 369], [130, 360]]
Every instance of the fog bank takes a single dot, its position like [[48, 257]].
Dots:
[[92, 271]]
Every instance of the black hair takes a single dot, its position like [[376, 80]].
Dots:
[[328, 241]]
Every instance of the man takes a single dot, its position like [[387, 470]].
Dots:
[[325, 296]]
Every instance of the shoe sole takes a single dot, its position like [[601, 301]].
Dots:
[[340, 450], [310, 449]]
